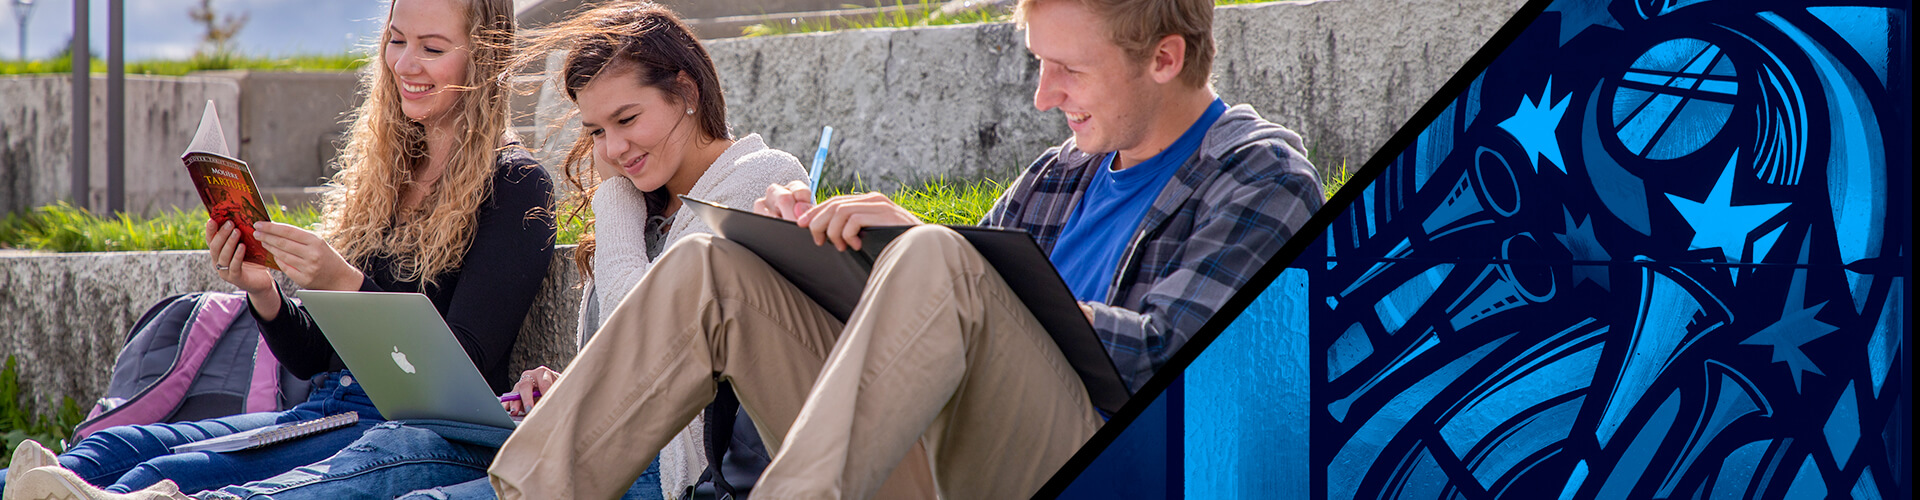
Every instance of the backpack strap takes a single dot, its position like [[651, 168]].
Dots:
[[212, 314], [263, 391], [719, 433]]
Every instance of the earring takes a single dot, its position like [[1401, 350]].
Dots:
[[689, 111]]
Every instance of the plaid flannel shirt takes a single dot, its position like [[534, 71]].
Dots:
[[1223, 214]]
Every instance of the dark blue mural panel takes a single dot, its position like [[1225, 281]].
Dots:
[[1658, 249]]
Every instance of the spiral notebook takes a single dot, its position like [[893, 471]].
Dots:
[[270, 434]]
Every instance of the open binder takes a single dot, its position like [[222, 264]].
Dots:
[[835, 278]]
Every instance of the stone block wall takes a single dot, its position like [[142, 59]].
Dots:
[[64, 317], [907, 105], [292, 124], [910, 105], [36, 126]]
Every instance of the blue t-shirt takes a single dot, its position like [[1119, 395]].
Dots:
[[1102, 225]]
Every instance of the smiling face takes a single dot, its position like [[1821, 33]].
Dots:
[[427, 53], [1103, 93], [639, 132]]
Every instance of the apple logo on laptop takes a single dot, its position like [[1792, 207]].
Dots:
[[400, 358]]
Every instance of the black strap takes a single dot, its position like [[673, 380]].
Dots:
[[719, 432]]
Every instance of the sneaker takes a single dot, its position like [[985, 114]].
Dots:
[[29, 456], [58, 483]]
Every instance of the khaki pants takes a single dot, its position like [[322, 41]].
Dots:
[[939, 354]]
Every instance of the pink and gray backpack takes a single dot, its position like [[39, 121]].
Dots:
[[191, 357]]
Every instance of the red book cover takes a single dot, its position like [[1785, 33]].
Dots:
[[226, 185]]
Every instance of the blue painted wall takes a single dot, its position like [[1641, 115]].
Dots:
[[1655, 251], [1658, 249]]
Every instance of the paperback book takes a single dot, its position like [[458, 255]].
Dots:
[[226, 185]]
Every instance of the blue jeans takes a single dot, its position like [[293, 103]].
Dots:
[[128, 458], [416, 458], [645, 488], [391, 459]]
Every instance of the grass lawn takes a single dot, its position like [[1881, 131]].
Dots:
[[62, 227], [344, 61], [902, 14]]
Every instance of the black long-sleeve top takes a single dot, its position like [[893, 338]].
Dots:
[[484, 301]]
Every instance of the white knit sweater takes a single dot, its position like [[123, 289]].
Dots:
[[739, 176]]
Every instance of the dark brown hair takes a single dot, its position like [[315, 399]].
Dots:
[[642, 39]]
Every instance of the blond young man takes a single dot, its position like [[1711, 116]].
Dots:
[[1162, 204]]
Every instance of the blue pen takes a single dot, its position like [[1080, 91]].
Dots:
[[819, 160]]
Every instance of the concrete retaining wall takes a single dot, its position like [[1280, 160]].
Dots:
[[64, 317], [908, 105], [292, 123], [36, 133], [283, 124]]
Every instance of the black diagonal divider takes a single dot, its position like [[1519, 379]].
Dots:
[[1281, 260]]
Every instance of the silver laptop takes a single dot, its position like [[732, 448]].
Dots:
[[403, 354]]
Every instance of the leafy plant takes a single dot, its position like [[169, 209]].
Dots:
[[17, 424]]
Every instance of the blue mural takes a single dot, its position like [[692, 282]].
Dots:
[[1654, 251]]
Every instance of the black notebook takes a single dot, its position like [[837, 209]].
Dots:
[[270, 434], [835, 278]]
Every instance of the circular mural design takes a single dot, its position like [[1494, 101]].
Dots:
[[1674, 98]]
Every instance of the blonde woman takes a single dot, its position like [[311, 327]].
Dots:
[[432, 196]]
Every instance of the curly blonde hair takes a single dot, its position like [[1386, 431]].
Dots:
[[364, 218]]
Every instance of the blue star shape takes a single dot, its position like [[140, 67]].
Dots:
[[1798, 325], [1577, 15], [1533, 127], [1718, 223], [1580, 242]]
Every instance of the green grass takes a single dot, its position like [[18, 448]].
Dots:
[[17, 424], [940, 201], [925, 13], [64, 228], [1335, 180], [344, 61], [61, 227]]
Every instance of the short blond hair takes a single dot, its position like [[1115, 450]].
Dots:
[[1136, 25]]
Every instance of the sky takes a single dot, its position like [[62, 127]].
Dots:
[[161, 29]]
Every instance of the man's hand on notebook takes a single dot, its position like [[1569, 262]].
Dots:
[[837, 220]]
